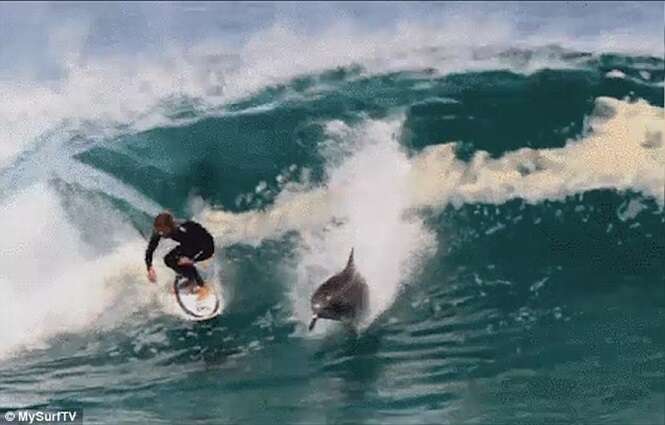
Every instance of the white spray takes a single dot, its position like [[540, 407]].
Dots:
[[51, 285]]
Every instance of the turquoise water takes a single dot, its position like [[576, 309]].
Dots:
[[521, 305]]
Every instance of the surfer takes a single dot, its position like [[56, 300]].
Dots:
[[196, 244]]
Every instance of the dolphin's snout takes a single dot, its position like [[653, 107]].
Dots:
[[340, 297], [313, 322]]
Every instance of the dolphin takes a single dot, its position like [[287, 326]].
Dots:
[[342, 297]]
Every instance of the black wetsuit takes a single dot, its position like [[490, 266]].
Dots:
[[195, 243]]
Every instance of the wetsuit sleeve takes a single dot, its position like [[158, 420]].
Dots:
[[152, 245]]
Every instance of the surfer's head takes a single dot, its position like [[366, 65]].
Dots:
[[164, 224]]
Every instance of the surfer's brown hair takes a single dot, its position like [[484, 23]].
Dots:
[[164, 219]]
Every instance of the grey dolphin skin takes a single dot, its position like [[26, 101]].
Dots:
[[342, 297]]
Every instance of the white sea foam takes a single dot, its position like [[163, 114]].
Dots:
[[52, 283], [615, 73], [623, 149], [371, 195]]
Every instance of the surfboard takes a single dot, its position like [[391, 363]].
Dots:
[[195, 308]]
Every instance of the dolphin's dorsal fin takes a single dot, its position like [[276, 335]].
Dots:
[[349, 264]]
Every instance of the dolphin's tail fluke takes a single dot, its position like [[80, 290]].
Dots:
[[350, 264]]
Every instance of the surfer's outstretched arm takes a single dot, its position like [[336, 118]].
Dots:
[[152, 245]]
